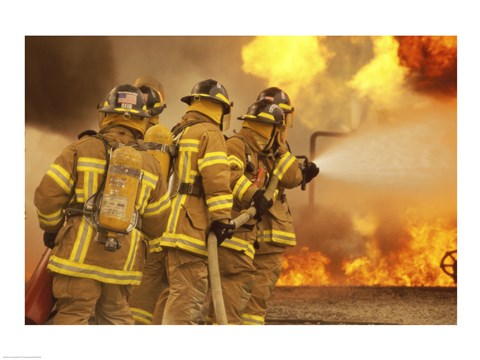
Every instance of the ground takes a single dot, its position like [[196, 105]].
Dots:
[[363, 305]]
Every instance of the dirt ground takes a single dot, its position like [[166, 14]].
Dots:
[[363, 305]]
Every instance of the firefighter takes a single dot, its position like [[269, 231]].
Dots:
[[201, 201], [250, 157], [97, 221], [154, 280], [276, 232]]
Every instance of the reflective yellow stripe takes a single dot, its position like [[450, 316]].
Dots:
[[250, 319], [240, 245], [142, 197], [82, 242], [213, 158], [61, 177], [80, 195], [149, 178], [141, 316], [219, 202], [91, 165], [132, 253], [50, 219], [277, 236], [67, 267], [285, 106], [241, 187], [284, 164], [189, 145], [154, 245], [184, 242], [158, 207], [177, 203], [127, 110], [233, 160], [267, 115]]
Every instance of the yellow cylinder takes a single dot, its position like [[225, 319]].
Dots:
[[158, 139], [121, 187]]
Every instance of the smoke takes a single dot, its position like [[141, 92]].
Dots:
[[65, 79]]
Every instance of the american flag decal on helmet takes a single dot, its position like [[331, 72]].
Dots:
[[125, 97]]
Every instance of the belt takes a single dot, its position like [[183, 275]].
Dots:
[[191, 189]]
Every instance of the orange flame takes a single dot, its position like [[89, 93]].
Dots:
[[432, 62], [304, 268], [417, 263]]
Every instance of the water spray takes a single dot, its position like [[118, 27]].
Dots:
[[313, 140], [410, 156]]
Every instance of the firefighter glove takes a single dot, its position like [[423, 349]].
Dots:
[[261, 204], [222, 230], [49, 239], [310, 171]]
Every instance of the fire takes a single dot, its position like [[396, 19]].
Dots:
[[432, 62], [291, 62], [304, 268], [415, 263], [382, 79]]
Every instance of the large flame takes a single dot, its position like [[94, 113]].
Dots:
[[432, 62], [289, 62], [382, 79], [416, 263]]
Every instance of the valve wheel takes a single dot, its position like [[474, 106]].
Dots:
[[449, 264]]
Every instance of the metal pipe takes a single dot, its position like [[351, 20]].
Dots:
[[313, 138]]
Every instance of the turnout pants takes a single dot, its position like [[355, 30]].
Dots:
[[269, 266], [237, 273], [79, 299], [154, 282], [188, 279]]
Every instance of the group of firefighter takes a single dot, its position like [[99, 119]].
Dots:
[[128, 210]]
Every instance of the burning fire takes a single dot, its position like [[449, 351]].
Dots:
[[432, 61], [333, 79], [382, 78], [286, 61], [304, 268], [416, 263]]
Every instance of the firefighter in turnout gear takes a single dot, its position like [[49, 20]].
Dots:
[[201, 201], [276, 231], [157, 141], [250, 159], [98, 222]]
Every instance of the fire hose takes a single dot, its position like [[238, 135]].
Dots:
[[213, 267]]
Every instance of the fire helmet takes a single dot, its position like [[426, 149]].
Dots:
[[125, 99], [212, 90], [279, 97], [215, 92], [153, 95], [265, 112], [124, 106]]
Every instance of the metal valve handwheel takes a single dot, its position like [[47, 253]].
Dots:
[[449, 264]]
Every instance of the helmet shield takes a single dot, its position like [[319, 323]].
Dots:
[[225, 124], [153, 94]]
